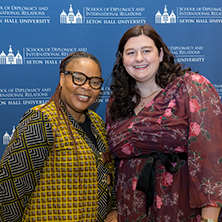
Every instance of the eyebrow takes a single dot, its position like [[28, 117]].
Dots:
[[143, 47]]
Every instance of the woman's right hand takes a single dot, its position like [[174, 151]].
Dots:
[[112, 216]]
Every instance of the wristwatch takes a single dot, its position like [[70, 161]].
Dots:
[[208, 220]]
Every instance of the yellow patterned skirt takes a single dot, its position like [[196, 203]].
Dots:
[[68, 191]]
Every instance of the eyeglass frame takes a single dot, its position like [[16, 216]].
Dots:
[[87, 78]]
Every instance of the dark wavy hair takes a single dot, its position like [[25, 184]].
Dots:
[[123, 86]]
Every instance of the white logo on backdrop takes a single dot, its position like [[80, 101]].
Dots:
[[70, 18], [165, 17], [10, 58], [7, 137]]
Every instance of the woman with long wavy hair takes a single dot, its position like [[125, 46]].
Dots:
[[164, 127]]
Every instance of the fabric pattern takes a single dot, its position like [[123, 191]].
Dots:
[[29, 157], [21, 164], [184, 117]]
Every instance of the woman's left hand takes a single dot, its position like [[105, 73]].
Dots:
[[112, 216]]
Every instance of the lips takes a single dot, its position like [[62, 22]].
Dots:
[[83, 97], [141, 67]]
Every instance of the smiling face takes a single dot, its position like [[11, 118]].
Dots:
[[141, 58], [79, 98]]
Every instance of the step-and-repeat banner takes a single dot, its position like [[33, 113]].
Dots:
[[36, 35]]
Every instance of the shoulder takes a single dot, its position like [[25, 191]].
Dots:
[[30, 113], [44, 110], [196, 85], [36, 108], [183, 85], [191, 78], [48, 107], [33, 130], [33, 117]]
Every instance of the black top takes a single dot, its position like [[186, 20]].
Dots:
[[87, 129]]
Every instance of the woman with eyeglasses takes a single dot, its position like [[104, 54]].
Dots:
[[57, 165]]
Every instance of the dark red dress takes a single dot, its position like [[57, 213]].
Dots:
[[186, 116]]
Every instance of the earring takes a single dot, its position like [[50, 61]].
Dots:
[[160, 59], [60, 88]]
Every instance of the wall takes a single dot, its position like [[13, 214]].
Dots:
[[36, 35]]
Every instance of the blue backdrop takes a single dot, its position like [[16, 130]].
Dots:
[[36, 35]]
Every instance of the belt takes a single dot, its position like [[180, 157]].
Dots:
[[146, 178]]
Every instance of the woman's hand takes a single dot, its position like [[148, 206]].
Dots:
[[112, 216], [210, 212]]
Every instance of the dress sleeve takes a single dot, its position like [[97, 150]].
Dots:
[[22, 162], [204, 109]]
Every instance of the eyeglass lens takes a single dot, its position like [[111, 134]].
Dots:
[[80, 79]]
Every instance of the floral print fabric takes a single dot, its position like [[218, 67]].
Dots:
[[186, 116]]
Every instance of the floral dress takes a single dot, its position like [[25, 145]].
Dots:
[[185, 117]]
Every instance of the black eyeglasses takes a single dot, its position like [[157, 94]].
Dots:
[[80, 79]]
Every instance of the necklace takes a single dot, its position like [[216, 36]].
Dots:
[[146, 97], [81, 119]]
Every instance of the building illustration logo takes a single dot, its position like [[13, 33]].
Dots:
[[70, 18], [7, 137], [165, 17], [10, 59]]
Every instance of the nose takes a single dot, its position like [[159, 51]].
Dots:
[[87, 85], [139, 57]]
